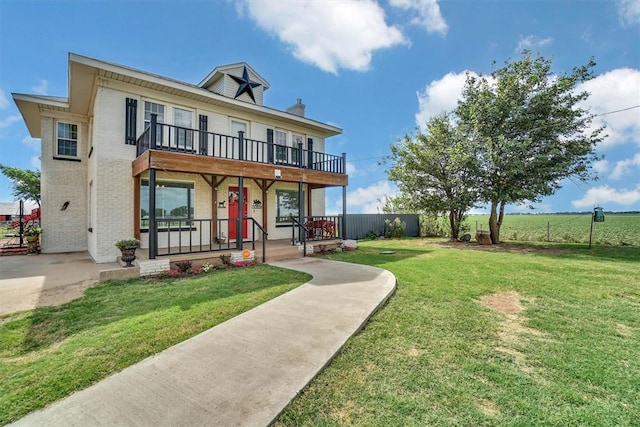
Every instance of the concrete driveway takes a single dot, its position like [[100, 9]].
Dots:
[[30, 281]]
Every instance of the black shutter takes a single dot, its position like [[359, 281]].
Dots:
[[131, 119], [202, 127], [270, 145], [310, 164]]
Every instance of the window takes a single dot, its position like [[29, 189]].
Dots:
[[286, 205], [174, 202], [281, 146], [183, 133], [298, 141], [67, 140], [153, 108]]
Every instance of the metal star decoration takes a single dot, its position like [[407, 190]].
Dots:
[[246, 85]]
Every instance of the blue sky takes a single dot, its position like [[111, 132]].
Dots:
[[374, 68]]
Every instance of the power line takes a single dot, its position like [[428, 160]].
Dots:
[[538, 128]]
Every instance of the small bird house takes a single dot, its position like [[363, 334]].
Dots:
[[598, 215]]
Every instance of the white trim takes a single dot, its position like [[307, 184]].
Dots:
[[56, 154]]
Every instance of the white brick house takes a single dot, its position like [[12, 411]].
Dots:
[[108, 173]]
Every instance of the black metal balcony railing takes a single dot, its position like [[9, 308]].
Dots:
[[183, 140]]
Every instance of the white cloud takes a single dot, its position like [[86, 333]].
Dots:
[[612, 91], [440, 96], [33, 143], [606, 194], [629, 12], [41, 87], [531, 42], [35, 162], [9, 121], [4, 102], [427, 14], [351, 169], [365, 200], [601, 166], [624, 167], [328, 34]]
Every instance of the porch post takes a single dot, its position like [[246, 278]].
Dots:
[[241, 145], [344, 198], [239, 221], [303, 234], [153, 229]]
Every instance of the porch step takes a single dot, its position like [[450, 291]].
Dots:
[[280, 253]]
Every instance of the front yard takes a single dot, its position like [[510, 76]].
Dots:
[[500, 336], [510, 336], [48, 353]]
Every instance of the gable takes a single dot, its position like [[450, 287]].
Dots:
[[237, 81]]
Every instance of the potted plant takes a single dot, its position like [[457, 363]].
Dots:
[[32, 235], [127, 249]]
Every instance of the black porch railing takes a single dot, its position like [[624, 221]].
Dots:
[[315, 228], [187, 236], [160, 136]]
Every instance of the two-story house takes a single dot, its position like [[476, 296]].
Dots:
[[182, 167]]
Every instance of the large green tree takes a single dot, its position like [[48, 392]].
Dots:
[[528, 132], [26, 183], [434, 171]]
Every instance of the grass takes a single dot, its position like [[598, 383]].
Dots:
[[618, 228], [452, 348], [48, 353]]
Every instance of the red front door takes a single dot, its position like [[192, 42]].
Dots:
[[234, 210]]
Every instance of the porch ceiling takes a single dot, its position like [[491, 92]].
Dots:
[[190, 163]]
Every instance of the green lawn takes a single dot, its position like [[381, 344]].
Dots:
[[48, 353], [559, 347], [617, 229]]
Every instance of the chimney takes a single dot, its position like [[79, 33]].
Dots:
[[297, 108]]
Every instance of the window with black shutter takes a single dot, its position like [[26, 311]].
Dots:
[[202, 127], [131, 118], [270, 145]]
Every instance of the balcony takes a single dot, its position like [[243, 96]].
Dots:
[[228, 152]]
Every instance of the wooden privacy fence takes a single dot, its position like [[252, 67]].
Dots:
[[358, 225]]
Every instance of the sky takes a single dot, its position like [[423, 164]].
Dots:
[[376, 69]]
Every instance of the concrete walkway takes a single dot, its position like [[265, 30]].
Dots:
[[242, 372]]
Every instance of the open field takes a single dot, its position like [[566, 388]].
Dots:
[[48, 353], [514, 335], [618, 229]]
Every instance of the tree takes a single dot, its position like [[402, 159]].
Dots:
[[528, 132], [433, 171], [26, 183]]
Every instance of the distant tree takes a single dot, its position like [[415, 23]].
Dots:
[[434, 171], [26, 183], [396, 205], [526, 128], [179, 212]]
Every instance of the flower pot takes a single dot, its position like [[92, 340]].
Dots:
[[128, 255], [32, 244]]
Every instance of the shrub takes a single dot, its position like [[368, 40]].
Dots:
[[183, 266]]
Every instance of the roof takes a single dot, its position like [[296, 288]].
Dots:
[[220, 71], [83, 75]]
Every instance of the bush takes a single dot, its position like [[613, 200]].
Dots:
[[183, 266], [394, 229], [372, 235]]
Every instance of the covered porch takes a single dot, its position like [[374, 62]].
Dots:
[[229, 165]]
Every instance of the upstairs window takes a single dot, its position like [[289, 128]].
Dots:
[[158, 109], [67, 140], [281, 146], [182, 119]]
